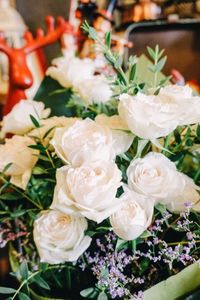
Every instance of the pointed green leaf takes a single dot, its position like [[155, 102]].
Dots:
[[132, 72], [102, 296], [35, 121], [42, 283], [87, 292], [108, 39], [23, 296], [151, 52], [23, 269], [161, 64], [6, 290]]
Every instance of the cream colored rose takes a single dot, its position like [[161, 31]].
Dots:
[[59, 237], [94, 90], [49, 125], [156, 176], [189, 105], [86, 140], [23, 159], [18, 121], [89, 190], [122, 137], [176, 91], [149, 116], [69, 71], [133, 216]]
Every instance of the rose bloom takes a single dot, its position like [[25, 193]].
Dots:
[[156, 176], [122, 137], [69, 71], [147, 116], [86, 140], [60, 238], [133, 216], [23, 159], [94, 90], [188, 104], [89, 190], [18, 121], [49, 125], [154, 116]]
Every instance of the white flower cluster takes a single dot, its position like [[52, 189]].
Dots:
[[87, 185], [154, 116], [79, 74]]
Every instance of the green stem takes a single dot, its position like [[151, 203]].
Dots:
[[32, 276], [21, 193], [182, 243]]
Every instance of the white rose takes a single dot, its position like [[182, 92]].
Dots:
[[156, 176], [148, 116], [23, 159], [86, 140], [121, 136], [69, 71], [49, 125], [189, 106], [60, 238], [89, 190], [176, 91], [133, 216], [94, 90], [18, 121]]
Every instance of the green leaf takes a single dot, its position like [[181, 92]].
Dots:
[[42, 283], [87, 292], [161, 64], [161, 208], [161, 53], [132, 72], [23, 269], [6, 290], [145, 234], [35, 121], [18, 213], [7, 167], [108, 39], [151, 52], [43, 266], [198, 130], [102, 296], [9, 196], [37, 147], [93, 34], [121, 244], [23, 296], [48, 132], [118, 62]]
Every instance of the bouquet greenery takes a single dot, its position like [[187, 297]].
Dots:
[[102, 202]]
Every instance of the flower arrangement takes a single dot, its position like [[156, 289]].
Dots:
[[103, 204]]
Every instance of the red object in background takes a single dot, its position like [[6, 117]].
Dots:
[[19, 73]]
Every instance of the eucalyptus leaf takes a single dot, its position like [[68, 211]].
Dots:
[[102, 296], [6, 290], [23, 296], [161, 64], [151, 52], [87, 292], [23, 269]]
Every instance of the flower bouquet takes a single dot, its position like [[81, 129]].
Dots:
[[103, 202]]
